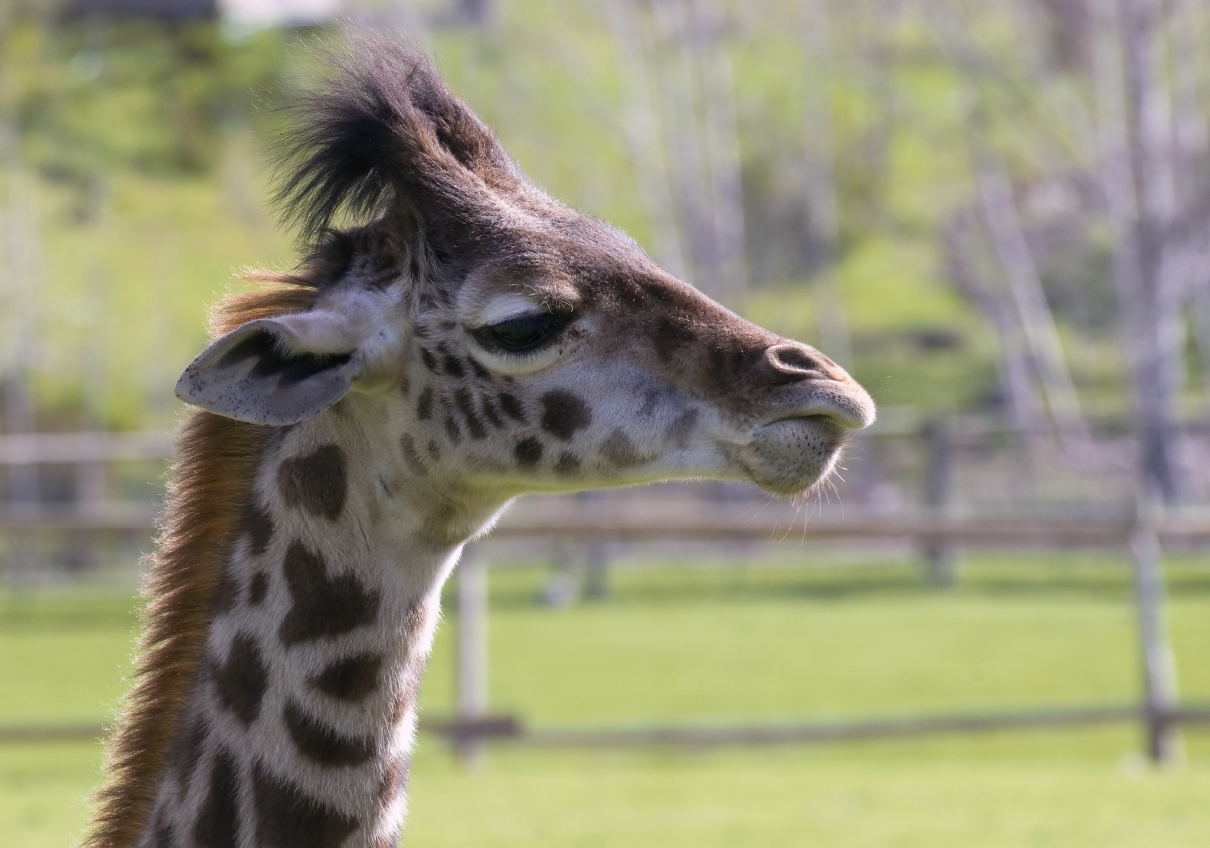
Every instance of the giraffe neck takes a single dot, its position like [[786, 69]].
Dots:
[[299, 729]]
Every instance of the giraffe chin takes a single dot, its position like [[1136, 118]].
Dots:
[[789, 456]]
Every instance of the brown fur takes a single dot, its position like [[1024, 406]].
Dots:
[[208, 490]]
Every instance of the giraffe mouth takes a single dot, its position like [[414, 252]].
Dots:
[[790, 455]]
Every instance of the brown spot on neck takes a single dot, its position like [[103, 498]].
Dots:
[[323, 606], [351, 679], [286, 817], [240, 681], [318, 482], [217, 824], [322, 744]]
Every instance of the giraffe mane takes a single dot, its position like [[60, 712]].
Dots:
[[385, 136], [208, 490]]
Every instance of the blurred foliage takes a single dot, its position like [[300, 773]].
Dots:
[[149, 141], [94, 97]]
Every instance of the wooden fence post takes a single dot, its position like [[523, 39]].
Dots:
[[596, 561], [1159, 664], [940, 557], [472, 653]]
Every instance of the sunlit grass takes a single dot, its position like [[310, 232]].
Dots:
[[727, 644]]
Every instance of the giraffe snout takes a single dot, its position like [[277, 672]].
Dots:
[[810, 385]]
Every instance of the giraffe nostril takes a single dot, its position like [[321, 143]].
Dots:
[[793, 362]]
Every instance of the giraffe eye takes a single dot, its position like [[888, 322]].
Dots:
[[521, 334]]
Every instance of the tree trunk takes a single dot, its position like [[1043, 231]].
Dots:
[[1134, 122], [1037, 323], [1014, 369]]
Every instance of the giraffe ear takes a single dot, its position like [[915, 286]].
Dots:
[[275, 371]]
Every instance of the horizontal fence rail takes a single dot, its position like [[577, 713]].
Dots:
[[512, 729], [68, 448], [704, 522]]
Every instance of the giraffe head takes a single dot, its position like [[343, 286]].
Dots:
[[508, 342]]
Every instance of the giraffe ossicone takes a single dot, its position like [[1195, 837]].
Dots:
[[453, 338]]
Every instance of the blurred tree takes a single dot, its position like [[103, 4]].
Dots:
[[164, 10]]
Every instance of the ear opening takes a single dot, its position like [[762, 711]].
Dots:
[[262, 373]]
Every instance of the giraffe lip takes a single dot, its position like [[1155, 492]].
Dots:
[[806, 418], [825, 426], [845, 405], [791, 454], [825, 420]]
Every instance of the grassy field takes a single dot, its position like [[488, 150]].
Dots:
[[718, 645]]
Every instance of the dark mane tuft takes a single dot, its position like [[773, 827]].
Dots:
[[385, 134]]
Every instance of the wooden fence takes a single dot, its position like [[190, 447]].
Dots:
[[934, 528]]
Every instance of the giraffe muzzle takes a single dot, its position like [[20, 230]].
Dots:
[[800, 437], [790, 456]]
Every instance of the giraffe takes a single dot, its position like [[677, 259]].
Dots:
[[452, 338]]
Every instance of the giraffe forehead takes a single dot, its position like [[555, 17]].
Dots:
[[495, 293]]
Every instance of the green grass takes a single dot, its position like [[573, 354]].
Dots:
[[717, 645]]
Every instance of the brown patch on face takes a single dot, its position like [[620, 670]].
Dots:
[[563, 414], [492, 412], [453, 366], [466, 405], [217, 825], [322, 744], [681, 429], [317, 482], [651, 399], [480, 372], [411, 457], [452, 430], [424, 406], [434, 450], [528, 452], [620, 450], [323, 606], [241, 681], [512, 407], [350, 679], [430, 361], [568, 464], [288, 818]]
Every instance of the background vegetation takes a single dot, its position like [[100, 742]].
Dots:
[[142, 150]]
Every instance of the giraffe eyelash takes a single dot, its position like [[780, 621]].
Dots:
[[522, 334]]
